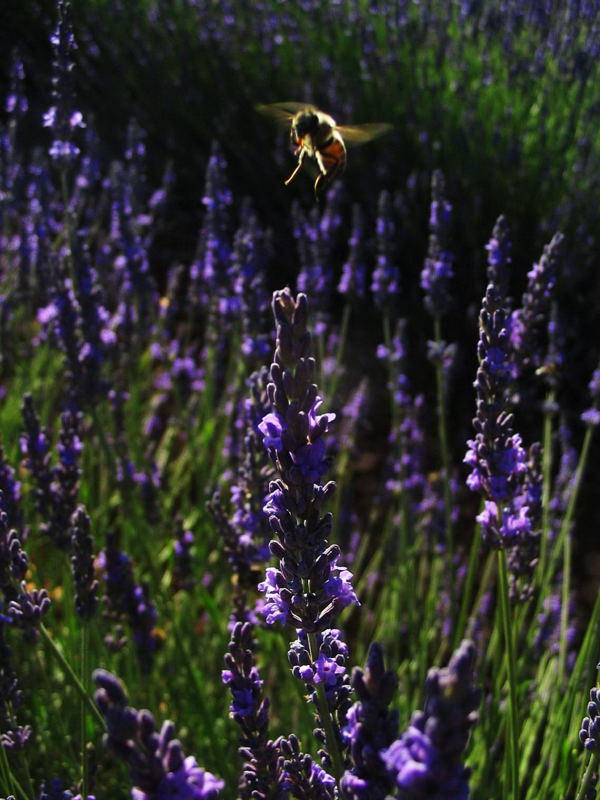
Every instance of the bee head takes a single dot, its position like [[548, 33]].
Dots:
[[306, 123]]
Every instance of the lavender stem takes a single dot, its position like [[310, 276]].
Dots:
[[547, 484], [70, 673], [513, 727], [589, 772]]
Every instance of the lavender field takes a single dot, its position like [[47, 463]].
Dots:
[[298, 496]]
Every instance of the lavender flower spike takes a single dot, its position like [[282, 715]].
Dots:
[[496, 455], [589, 735], [426, 760], [370, 728], [157, 766], [61, 117], [437, 271], [309, 588]]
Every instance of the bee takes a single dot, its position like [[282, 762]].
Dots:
[[315, 134]]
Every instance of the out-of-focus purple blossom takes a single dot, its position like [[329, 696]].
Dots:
[[127, 600], [16, 104], [592, 415], [549, 628], [209, 267], [370, 728], [56, 487], [10, 494], [246, 274], [437, 272], [315, 236], [498, 262], [352, 283], [61, 117], [158, 768], [183, 574], [82, 562], [443, 354], [529, 324], [55, 790], [426, 761], [241, 521], [385, 282]]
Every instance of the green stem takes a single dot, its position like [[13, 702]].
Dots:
[[82, 709], [25, 770], [325, 716], [513, 743], [9, 778], [546, 484], [468, 589], [564, 610], [340, 350], [558, 548], [70, 674], [445, 459], [586, 780]]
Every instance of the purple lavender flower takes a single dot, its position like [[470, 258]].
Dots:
[[61, 117], [353, 277], [426, 760], [529, 324], [241, 521], [370, 728], [183, 574], [213, 252], [589, 735], [437, 271], [309, 588], [82, 561], [12, 735], [250, 709], [246, 274], [158, 768], [496, 456], [293, 433], [300, 775], [13, 559], [10, 494], [385, 283], [127, 600], [26, 609], [56, 487], [315, 236], [499, 255], [592, 415], [55, 790]]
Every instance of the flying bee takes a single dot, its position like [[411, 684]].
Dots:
[[315, 134]]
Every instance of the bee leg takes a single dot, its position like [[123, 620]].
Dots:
[[294, 173], [297, 170], [321, 184]]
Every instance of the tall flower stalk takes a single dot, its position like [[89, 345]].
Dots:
[[498, 464], [308, 589]]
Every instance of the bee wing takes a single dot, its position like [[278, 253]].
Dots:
[[359, 134], [281, 113]]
